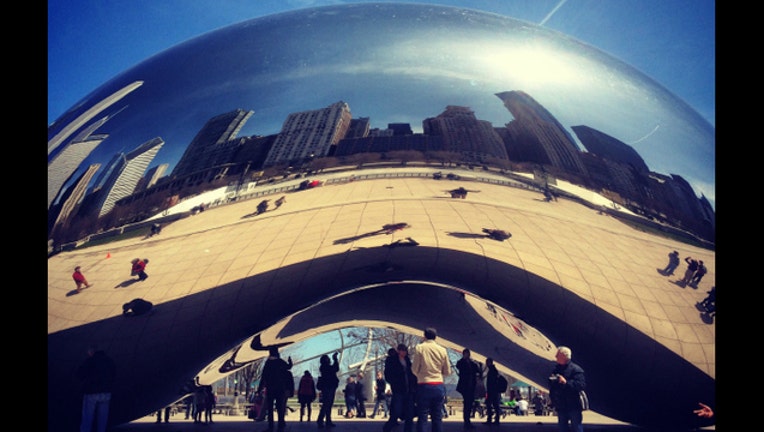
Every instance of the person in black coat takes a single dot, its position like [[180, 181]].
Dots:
[[329, 383], [468, 376], [360, 396], [492, 393], [403, 384], [273, 380], [566, 381]]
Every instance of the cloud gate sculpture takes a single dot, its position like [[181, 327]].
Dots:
[[278, 94]]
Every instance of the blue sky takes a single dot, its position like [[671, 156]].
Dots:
[[92, 41]]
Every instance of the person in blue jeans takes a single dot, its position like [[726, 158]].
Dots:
[[380, 385], [566, 381], [430, 365], [97, 374]]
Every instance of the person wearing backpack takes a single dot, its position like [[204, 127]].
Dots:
[[492, 393], [306, 393]]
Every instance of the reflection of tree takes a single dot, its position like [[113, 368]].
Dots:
[[405, 156], [321, 164], [359, 159], [446, 158], [377, 341]]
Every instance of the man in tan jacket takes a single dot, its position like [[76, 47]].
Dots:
[[431, 366]]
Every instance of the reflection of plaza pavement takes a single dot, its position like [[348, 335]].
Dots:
[[595, 256]]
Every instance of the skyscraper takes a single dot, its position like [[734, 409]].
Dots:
[[127, 173], [93, 111], [462, 132], [66, 162], [214, 144], [535, 126], [310, 134]]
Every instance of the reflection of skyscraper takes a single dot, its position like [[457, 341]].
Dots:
[[535, 126], [462, 132], [152, 176], [59, 215], [126, 174], [310, 134], [214, 144], [609, 148], [66, 162], [93, 111]]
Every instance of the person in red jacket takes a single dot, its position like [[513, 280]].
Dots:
[[79, 279], [139, 269]]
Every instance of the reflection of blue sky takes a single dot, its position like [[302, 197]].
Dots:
[[401, 67]]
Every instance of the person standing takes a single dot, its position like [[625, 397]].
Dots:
[[210, 400], [539, 404], [350, 397], [79, 279], [431, 366], [699, 273], [468, 374], [692, 266], [492, 393], [380, 385], [360, 396], [672, 264], [275, 369], [329, 383], [403, 386], [96, 374], [566, 381], [306, 393]]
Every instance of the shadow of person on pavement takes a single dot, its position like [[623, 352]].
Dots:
[[126, 283]]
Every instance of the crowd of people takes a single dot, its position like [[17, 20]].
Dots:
[[411, 392], [693, 274]]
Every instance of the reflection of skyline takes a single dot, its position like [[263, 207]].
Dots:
[[93, 111], [535, 136], [296, 59]]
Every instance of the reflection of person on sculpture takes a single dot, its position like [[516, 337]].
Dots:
[[262, 207], [391, 228], [408, 241], [139, 268], [672, 264], [79, 279], [497, 234], [136, 307]]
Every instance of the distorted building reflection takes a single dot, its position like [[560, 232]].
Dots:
[[286, 98]]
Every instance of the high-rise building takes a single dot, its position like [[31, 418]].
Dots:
[[152, 177], [359, 128], [214, 144], [66, 162], [462, 132], [60, 214], [127, 173], [400, 129], [308, 134], [85, 117], [609, 148], [534, 126]]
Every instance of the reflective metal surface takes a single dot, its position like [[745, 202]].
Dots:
[[392, 64]]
